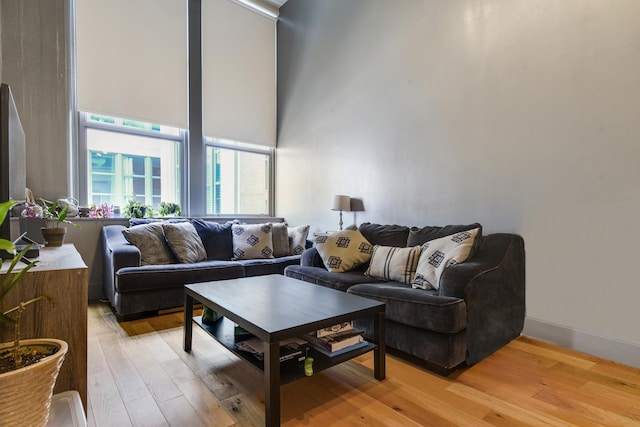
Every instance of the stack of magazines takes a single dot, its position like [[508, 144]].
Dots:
[[336, 340]]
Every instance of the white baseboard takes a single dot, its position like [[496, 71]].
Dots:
[[627, 353]]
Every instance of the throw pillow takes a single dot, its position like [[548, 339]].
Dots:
[[298, 239], [385, 235], [251, 241], [216, 238], [150, 240], [344, 250], [419, 236], [184, 242], [439, 254], [280, 238], [392, 263]]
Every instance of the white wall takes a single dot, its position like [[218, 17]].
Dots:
[[519, 114]]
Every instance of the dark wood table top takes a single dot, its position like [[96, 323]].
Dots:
[[276, 307]]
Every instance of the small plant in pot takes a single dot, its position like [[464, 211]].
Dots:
[[136, 209], [28, 368], [169, 209], [53, 233]]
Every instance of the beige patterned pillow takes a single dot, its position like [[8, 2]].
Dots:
[[150, 240], [298, 239], [391, 263], [439, 254], [344, 250], [184, 242], [251, 241]]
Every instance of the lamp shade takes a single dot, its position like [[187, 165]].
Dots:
[[341, 203], [357, 205]]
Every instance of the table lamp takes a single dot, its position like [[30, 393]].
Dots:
[[341, 203]]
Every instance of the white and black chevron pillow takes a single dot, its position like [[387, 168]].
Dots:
[[251, 241], [439, 254], [344, 250], [298, 239]]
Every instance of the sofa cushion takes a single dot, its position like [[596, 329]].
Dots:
[[252, 241], [322, 277], [280, 239], [414, 307], [216, 238], [419, 236], [261, 266], [439, 254], [150, 240], [385, 235], [343, 250], [297, 239], [392, 263], [184, 242], [158, 277]]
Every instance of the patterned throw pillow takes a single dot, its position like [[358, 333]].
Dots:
[[392, 263], [439, 254], [184, 242], [150, 240], [297, 239], [344, 250], [251, 241], [280, 238]]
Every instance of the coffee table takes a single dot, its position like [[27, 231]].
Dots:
[[275, 308]]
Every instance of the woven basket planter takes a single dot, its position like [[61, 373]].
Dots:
[[26, 392]]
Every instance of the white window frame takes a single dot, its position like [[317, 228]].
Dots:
[[83, 168]]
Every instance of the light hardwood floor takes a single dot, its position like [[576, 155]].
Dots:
[[139, 375]]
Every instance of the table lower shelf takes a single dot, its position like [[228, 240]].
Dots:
[[223, 332]]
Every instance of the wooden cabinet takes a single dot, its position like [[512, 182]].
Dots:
[[62, 274]]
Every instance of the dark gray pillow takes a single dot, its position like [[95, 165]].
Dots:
[[280, 239], [216, 238], [184, 242], [150, 240], [385, 235], [418, 236]]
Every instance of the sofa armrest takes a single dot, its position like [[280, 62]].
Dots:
[[492, 284], [118, 249], [311, 258], [117, 253]]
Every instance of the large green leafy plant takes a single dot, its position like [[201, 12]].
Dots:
[[14, 357]]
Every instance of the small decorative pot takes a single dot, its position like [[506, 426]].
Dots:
[[53, 236]]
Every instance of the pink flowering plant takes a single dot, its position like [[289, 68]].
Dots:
[[32, 210], [102, 210]]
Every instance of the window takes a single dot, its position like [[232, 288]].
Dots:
[[131, 160], [238, 178]]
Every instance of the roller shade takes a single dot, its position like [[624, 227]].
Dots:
[[132, 59], [238, 73]]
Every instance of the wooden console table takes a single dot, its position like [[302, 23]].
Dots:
[[62, 274]]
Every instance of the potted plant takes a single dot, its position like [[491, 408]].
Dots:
[[28, 368], [53, 214], [136, 209], [169, 209]]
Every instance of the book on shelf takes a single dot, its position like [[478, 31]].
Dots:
[[326, 352], [336, 341], [290, 350], [340, 327]]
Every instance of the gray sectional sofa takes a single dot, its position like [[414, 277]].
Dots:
[[478, 308], [133, 288]]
